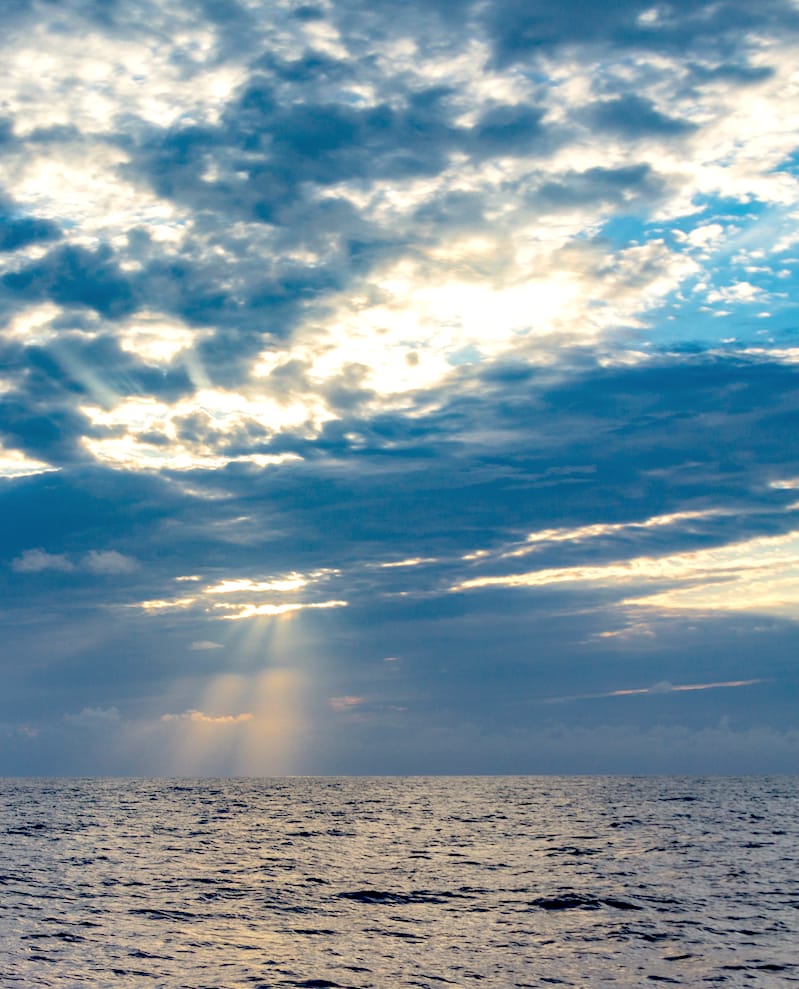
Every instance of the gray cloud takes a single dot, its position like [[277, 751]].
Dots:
[[522, 30], [632, 116], [36, 560], [74, 276]]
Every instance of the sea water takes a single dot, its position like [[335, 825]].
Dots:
[[399, 882]]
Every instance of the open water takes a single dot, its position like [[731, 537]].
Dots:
[[399, 882]]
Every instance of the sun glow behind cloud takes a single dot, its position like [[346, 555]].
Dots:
[[14, 463], [241, 611], [244, 598], [760, 575], [192, 433]]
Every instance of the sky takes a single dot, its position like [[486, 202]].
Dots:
[[399, 387]]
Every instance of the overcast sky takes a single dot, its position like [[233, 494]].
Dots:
[[399, 386]]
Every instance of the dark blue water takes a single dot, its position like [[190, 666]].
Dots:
[[496, 882]]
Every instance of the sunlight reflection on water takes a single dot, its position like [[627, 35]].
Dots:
[[399, 882]]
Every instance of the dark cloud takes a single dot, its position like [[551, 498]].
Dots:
[[20, 231], [388, 485], [6, 132], [275, 151], [508, 130], [411, 491], [740, 74], [630, 184], [323, 144], [313, 69], [521, 30], [633, 116], [70, 276], [52, 432], [308, 12], [272, 159]]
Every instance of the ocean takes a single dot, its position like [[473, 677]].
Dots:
[[399, 882]]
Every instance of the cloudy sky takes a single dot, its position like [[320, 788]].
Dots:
[[398, 386]]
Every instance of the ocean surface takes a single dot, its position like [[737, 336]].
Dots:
[[399, 882]]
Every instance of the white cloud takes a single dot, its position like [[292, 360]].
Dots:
[[596, 530], [760, 575], [14, 463], [156, 338], [203, 645], [32, 325], [736, 293], [153, 434], [410, 562], [293, 582], [237, 595], [705, 235], [157, 605], [255, 610]]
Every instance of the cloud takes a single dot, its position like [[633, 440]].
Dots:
[[23, 731], [346, 703], [253, 610], [17, 232], [754, 575], [294, 582], [108, 562], [37, 560], [635, 117], [663, 687], [522, 30], [94, 717], [377, 304], [235, 598], [413, 562], [158, 605], [74, 276], [535, 540], [369, 195], [14, 463], [99, 562], [200, 717]]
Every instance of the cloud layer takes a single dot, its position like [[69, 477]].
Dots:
[[460, 334]]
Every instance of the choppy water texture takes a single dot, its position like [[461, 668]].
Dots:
[[500, 882]]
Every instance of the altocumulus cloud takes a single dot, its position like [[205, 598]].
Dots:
[[94, 717], [464, 333], [201, 718], [101, 562], [36, 560]]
